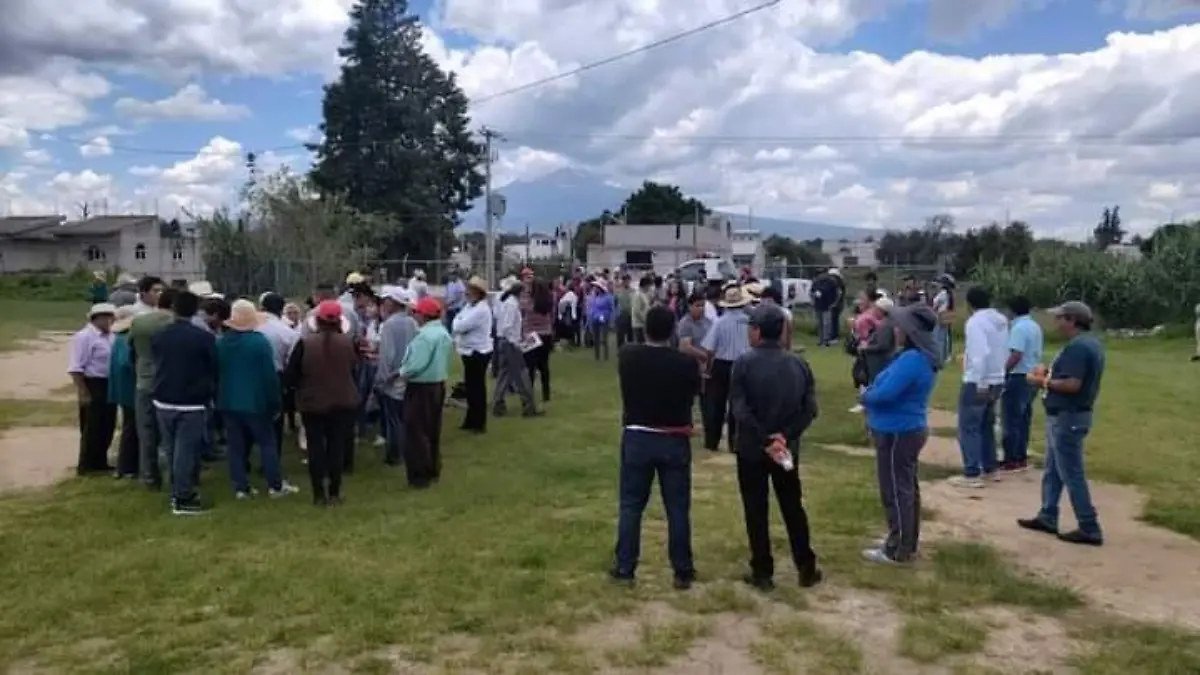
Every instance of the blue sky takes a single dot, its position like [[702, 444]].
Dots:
[[261, 91]]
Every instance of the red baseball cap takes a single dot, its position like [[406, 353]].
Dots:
[[428, 307], [329, 311]]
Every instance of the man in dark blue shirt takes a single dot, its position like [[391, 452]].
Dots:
[[1070, 390], [185, 366]]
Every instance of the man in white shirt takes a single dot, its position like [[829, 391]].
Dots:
[[282, 338], [511, 371], [472, 332], [417, 286], [984, 364]]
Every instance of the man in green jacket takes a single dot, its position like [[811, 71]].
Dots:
[[424, 369]]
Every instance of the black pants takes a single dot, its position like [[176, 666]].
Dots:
[[97, 424], [538, 363], [624, 329], [717, 397], [424, 403], [328, 434], [475, 367], [128, 450], [755, 475]]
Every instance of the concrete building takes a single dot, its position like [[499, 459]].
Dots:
[[135, 244], [539, 246], [661, 248], [846, 253], [747, 250]]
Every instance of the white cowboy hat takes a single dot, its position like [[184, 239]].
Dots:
[[835, 271], [202, 289], [102, 308], [734, 297], [243, 315], [398, 295]]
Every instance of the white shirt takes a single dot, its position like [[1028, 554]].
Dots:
[[472, 329], [567, 303], [418, 287], [508, 320], [282, 338], [986, 351], [710, 311]]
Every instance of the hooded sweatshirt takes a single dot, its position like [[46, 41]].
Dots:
[[987, 348], [898, 400]]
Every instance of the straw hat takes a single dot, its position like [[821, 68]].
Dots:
[[478, 284], [754, 288], [734, 297], [99, 275], [355, 278], [124, 320], [243, 315], [100, 309]]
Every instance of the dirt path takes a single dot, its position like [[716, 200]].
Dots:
[[1139, 573], [37, 369], [36, 457]]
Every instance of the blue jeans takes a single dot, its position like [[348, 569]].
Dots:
[[1065, 433], [391, 411], [183, 434], [1016, 404], [643, 455], [943, 338], [825, 329], [976, 428], [243, 430]]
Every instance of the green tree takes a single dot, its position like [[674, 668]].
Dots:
[[806, 253], [397, 141], [659, 204], [1108, 231]]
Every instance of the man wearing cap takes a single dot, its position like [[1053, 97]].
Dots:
[[725, 343], [772, 395], [1070, 390], [826, 295], [424, 369], [395, 334], [91, 348]]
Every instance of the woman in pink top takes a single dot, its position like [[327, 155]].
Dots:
[[862, 326], [537, 316]]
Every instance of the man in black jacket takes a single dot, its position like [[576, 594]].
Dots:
[[827, 291], [773, 393]]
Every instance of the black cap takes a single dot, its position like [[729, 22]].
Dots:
[[767, 318]]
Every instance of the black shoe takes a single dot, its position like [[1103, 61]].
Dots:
[[188, 508], [319, 500], [760, 583], [533, 413], [1037, 525], [499, 412], [811, 576], [336, 500], [1080, 537], [684, 582], [622, 578]]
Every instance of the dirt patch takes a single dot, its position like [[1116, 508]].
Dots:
[[942, 419], [36, 369], [36, 457], [942, 452], [1021, 642], [1138, 573], [872, 623]]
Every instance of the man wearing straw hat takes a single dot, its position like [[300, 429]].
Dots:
[[724, 343], [91, 348]]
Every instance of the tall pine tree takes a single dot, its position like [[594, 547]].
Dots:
[[397, 135]]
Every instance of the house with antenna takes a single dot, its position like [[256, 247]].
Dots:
[[133, 244]]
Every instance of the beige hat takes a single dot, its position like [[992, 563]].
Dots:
[[243, 315], [478, 284], [102, 308], [734, 297], [354, 278], [99, 275], [124, 320], [201, 288], [754, 288]]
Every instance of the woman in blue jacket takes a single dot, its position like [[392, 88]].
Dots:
[[600, 311], [896, 405]]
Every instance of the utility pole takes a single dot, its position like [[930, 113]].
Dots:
[[490, 236], [527, 244]]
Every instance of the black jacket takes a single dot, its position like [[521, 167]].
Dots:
[[826, 292], [185, 364], [771, 391]]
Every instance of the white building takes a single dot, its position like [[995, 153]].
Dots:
[[661, 248], [747, 250], [845, 253], [138, 245], [539, 246]]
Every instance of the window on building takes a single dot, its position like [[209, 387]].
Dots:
[[94, 254], [139, 252], [177, 251], [639, 259], [850, 261]]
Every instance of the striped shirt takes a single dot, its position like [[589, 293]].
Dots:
[[729, 336]]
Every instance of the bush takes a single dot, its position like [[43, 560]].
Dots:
[[49, 285], [1159, 288]]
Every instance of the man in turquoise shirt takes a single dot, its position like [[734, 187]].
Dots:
[[1025, 342], [424, 369]]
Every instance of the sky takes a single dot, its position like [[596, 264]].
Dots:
[[869, 113]]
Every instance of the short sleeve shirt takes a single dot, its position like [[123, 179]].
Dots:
[[693, 329], [1081, 359]]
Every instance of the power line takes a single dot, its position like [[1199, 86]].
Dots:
[[632, 52], [1053, 138]]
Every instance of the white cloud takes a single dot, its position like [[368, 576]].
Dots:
[[53, 96], [37, 156], [305, 134], [97, 147], [191, 103]]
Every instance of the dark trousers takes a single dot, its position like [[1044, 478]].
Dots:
[[475, 367], [392, 412], [149, 438], [639, 335], [128, 451], [755, 475], [644, 455], [1016, 416], [624, 329], [423, 407], [97, 424], [183, 440], [537, 361], [277, 424], [328, 434], [717, 396], [896, 467]]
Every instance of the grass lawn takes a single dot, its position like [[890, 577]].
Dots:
[[501, 568]]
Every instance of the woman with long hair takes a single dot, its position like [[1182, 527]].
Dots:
[[472, 331], [896, 405], [321, 368], [864, 323], [537, 316]]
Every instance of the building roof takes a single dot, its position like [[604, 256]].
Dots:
[[100, 225], [17, 226]]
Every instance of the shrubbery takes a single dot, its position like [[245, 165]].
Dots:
[[1162, 287], [51, 285]]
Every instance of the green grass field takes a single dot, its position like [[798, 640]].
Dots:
[[501, 567]]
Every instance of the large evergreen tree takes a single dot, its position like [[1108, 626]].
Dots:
[[397, 138]]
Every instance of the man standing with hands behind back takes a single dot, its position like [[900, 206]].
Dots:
[[772, 394]]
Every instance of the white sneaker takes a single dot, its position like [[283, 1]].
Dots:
[[965, 482], [284, 490], [379, 442], [243, 495], [857, 409]]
